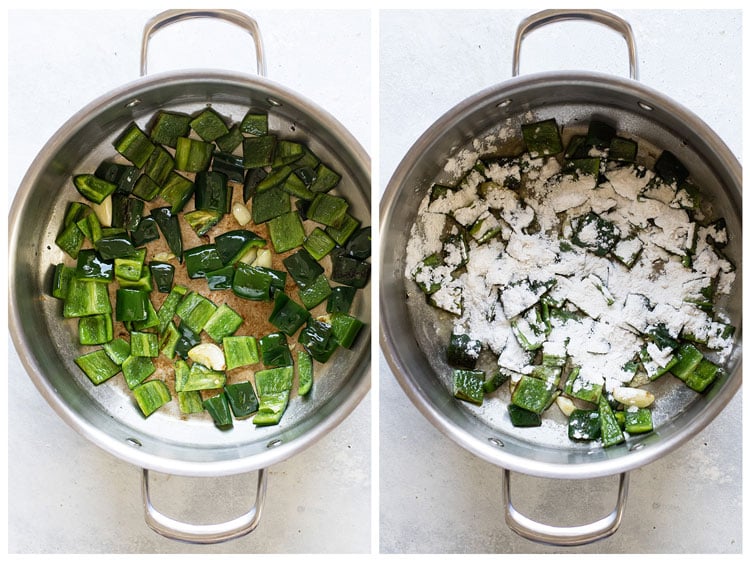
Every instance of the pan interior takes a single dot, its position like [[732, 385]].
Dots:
[[489, 122], [107, 413]]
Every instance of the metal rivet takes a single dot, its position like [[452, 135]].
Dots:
[[495, 441], [132, 103], [273, 443], [504, 103], [133, 442], [637, 447], [273, 101], [644, 105]]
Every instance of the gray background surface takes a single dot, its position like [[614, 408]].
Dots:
[[436, 497], [66, 495]]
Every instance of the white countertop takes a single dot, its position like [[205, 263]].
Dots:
[[67, 495], [435, 496]]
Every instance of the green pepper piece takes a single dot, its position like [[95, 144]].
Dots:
[[622, 150], [86, 298], [159, 166], [688, 358], [350, 271], [127, 212], [146, 232], [177, 191], [315, 292], [130, 268], [251, 283], [274, 350], [341, 299], [542, 138], [523, 418], [151, 396], [201, 377], [468, 385], [130, 305], [93, 188], [93, 330], [638, 420], [190, 402], [137, 369], [533, 394], [222, 323], [286, 153], [188, 339], [122, 175], [114, 246], [325, 179], [345, 328], [212, 192], [703, 375], [359, 245], [254, 123], [295, 186], [584, 425], [270, 204], [134, 145], [60, 280], [240, 351], [202, 221], [192, 155], [169, 126], [329, 210], [201, 259], [242, 399], [218, 407], [670, 169], [304, 372], [168, 340], [286, 232], [317, 338], [163, 275], [303, 268], [318, 243], [228, 142], [230, 165], [234, 244], [344, 231], [117, 349], [258, 151], [144, 344], [611, 432], [170, 229], [463, 351], [287, 315], [70, 240], [169, 306], [252, 178], [90, 267], [195, 310], [209, 125], [221, 278], [97, 366], [274, 387]]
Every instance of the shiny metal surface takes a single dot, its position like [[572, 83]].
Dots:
[[408, 325], [105, 414]]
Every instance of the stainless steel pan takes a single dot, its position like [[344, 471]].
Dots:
[[46, 346], [413, 346]]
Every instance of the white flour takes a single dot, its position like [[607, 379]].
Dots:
[[543, 240]]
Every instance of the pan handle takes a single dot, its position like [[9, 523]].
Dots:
[[235, 17], [607, 19], [209, 533], [564, 536]]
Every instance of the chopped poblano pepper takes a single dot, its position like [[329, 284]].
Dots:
[[304, 372], [151, 396], [242, 398], [93, 188], [97, 366], [222, 323], [134, 145], [240, 351], [137, 369]]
